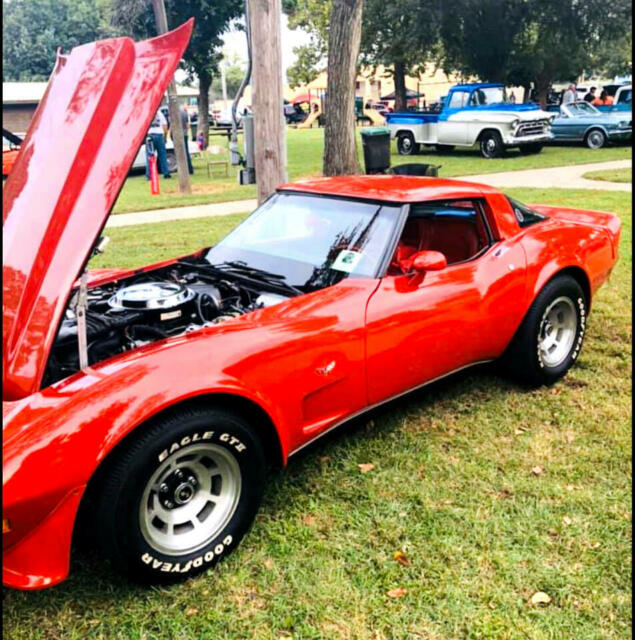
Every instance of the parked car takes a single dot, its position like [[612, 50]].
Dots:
[[582, 122], [473, 114], [139, 161], [151, 401], [10, 151]]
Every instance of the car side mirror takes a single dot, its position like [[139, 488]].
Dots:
[[429, 261]]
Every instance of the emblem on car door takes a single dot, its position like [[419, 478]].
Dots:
[[326, 369]]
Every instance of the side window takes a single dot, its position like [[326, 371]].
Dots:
[[458, 99], [525, 216], [455, 228]]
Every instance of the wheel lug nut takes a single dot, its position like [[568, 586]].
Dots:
[[193, 481], [178, 473], [169, 504], [163, 488]]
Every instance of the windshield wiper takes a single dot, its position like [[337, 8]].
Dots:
[[241, 268]]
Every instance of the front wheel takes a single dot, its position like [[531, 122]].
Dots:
[[491, 145], [595, 139], [406, 145], [550, 337], [528, 149], [180, 496]]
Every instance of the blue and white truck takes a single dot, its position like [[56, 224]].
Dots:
[[470, 114]]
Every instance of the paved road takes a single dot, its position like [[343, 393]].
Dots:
[[558, 177]]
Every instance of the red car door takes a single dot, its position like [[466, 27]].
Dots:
[[460, 315]]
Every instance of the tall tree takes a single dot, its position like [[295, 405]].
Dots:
[[478, 36], [401, 35], [32, 30], [202, 56], [560, 37], [345, 32]]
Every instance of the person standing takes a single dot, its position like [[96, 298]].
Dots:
[[157, 132], [590, 95], [570, 95], [185, 121]]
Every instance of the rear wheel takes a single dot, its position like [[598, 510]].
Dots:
[[406, 145], [491, 145], [595, 139], [180, 496], [171, 155], [550, 337]]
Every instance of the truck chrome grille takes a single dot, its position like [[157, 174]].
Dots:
[[531, 128]]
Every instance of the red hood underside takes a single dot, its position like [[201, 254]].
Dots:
[[78, 150]]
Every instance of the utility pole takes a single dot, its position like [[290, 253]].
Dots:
[[176, 126], [267, 96]]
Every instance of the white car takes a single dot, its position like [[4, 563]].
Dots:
[[140, 159]]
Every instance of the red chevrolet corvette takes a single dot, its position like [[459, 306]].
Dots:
[[156, 398]]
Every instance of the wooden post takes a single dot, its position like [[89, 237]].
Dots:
[[176, 126], [267, 96]]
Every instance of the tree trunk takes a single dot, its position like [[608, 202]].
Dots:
[[526, 90], [542, 89], [267, 97], [176, 126], [204, 83], [340, 152], [401, 99]]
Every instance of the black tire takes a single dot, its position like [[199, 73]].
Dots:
[[526, 359], [491, 145], [406, 145], [444, 148], [595, 139], [171, 155], [223, 454], [528, 149]]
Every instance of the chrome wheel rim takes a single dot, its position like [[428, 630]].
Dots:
[[558, 329], [489, 147], [189, 499], [406, 145], [596, 139]]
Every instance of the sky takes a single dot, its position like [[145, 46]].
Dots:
[[235, 43]]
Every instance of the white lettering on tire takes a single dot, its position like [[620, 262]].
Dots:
[[232, 441], [169, 567]]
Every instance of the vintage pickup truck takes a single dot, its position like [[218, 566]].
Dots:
[[471, 114]]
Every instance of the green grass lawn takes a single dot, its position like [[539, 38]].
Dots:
[[452, 488], [614, 175], [304, 157]]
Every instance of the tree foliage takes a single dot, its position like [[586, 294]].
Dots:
[[32, 30]]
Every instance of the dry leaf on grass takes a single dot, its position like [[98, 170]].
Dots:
[[191, 612], [365, 467], [540, 597], [269, 564], [596, 545], [566, 520], [308, 520], [398, 592], [537, 470], [556, 391], [401, 558]]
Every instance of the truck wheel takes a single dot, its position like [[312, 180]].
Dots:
[[444, 148], [595, 139], [406, 145], [491, 145], [528, 149], [550, 337], [180, 496]]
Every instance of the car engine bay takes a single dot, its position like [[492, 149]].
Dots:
[[152, 305]]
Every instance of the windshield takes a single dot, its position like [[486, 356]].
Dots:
[[313, 241], [581, 109], [488, 95]]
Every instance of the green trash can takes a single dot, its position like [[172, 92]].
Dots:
[[376, 145]]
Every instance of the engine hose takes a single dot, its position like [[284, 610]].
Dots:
[[154, 332]]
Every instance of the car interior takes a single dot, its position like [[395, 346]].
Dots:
[[456, 229]]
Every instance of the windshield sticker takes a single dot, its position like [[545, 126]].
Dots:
[[346, 261]]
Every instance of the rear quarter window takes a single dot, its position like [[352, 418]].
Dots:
[[525, 216]]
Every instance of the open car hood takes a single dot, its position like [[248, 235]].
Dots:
[[82, 140]]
